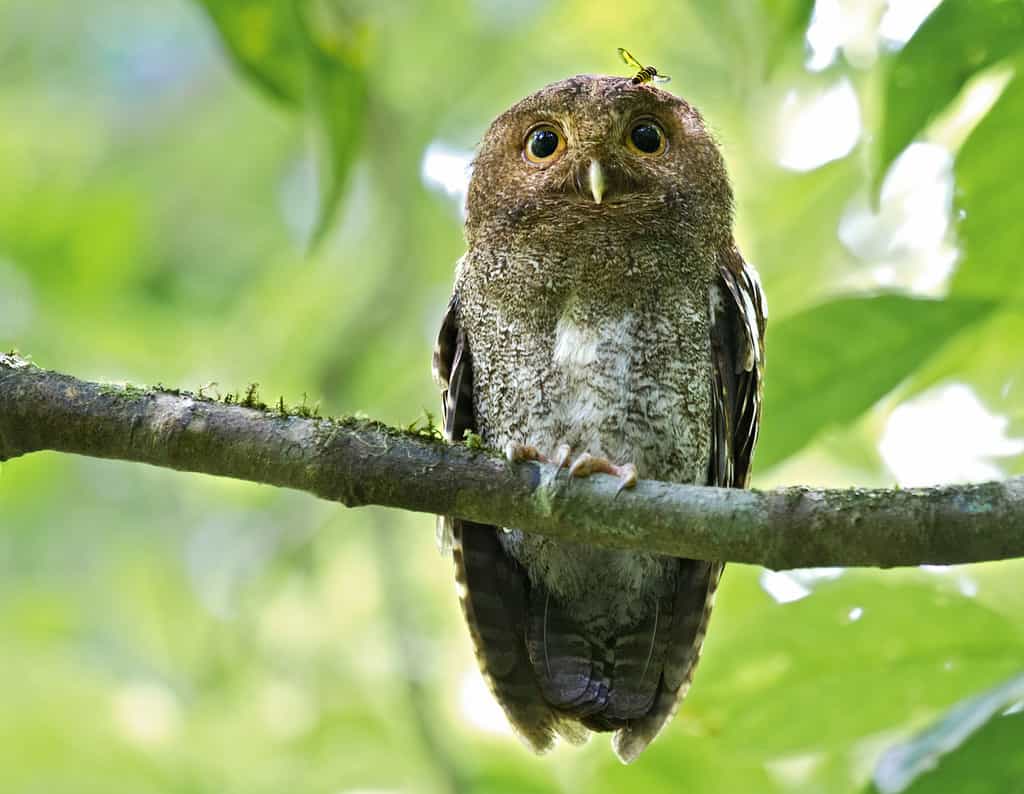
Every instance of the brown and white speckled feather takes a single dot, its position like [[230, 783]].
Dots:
[[630, 329]]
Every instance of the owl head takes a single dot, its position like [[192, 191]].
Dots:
[[595, 152]]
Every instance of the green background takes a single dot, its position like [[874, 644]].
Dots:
[[215, 193]]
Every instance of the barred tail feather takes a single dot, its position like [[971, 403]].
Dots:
[[696, 585], [493, 591]]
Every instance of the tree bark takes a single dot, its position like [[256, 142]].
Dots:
[[361, 462]]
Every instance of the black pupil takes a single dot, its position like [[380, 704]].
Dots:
[[646, 138], [543, 143]]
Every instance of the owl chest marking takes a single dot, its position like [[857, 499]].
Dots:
[[590, 370]]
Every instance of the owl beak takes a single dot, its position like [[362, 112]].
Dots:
[[596, 179]]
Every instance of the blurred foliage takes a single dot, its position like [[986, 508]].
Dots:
[[896, 333], [954, 43], [310, 56], [992, 748], [220, 191]]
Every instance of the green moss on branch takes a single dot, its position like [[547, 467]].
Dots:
[[357, 461]]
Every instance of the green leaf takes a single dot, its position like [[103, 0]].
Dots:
[[990, 195], [310, 55], [971, 750], [829, 364], [958, 39], [261, 38], [787, 20], [334, 45], [826, 678], [787, 227], [987, 357]]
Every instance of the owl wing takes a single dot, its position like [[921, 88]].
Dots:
[[453, 373], [737, 346], [492, 586], [739, 315]]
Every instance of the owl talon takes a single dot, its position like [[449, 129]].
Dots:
[[587, 464], [562, 455], [515, 452], [560, 461], [627, 477]]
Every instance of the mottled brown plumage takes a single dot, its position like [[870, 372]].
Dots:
[[607, 308]]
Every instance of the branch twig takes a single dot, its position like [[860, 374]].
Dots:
[[361, 462]]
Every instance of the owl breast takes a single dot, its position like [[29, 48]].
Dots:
[[623, 373]]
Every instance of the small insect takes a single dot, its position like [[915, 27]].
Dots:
[[645, 74]]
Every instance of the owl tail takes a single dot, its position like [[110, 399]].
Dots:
[[550, 676], [603, 681], [694, 598], [493, 589], [632, 682]]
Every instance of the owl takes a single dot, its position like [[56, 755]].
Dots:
[[602, 319]]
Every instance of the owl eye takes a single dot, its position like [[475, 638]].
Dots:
[[647, 137], [543, 144]]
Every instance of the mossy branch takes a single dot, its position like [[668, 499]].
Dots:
[[360, 462]]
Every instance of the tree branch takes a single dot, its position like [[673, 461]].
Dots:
[[360, 462]]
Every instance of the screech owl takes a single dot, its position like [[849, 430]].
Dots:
[[601, 314]]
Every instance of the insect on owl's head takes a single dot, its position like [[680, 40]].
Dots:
[[597, 149]]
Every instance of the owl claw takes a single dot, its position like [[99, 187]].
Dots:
[[587, 464], [627, 477], [583, 466], [562, 455], [560, 461], [515, 452]]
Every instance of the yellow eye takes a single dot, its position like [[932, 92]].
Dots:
[[544, 144], [647, 138]]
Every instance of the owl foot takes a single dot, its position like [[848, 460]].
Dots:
[[587, 464], [515, 452], [583, 466]]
